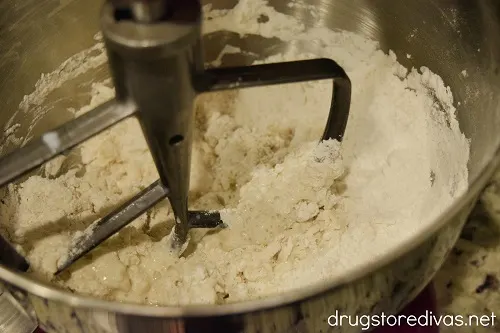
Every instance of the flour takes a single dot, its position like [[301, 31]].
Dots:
[[298, 212]]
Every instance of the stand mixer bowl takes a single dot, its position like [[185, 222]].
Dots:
[[448, 37]]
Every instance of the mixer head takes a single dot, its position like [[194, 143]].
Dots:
[[156, 61]]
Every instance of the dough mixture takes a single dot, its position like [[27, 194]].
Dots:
[[298, 212]]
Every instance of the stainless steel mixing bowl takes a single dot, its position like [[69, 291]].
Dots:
[[447, 36]]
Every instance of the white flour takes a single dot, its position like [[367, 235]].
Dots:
[[298, 213]]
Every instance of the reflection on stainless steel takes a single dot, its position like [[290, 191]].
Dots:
[[59, 140], [148, 11], [13, 318], [447, 36]]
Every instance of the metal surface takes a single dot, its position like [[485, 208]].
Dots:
[[458, 35], [13, 319], [148, 11], [156, 62], [61, 139], [145, 11]]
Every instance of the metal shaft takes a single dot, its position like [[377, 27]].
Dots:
[[152, 65]]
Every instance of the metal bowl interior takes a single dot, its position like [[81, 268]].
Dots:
[[447, 36]]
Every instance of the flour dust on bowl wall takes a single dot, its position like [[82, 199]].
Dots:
[[298, 212]]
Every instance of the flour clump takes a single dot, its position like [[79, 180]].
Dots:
[[299, 211]]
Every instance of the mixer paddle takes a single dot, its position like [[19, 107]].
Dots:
[[214, 80], [156, 63]]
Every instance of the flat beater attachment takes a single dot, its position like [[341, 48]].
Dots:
[[156, 61]]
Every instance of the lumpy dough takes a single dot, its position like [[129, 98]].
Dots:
[[298, 211]]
